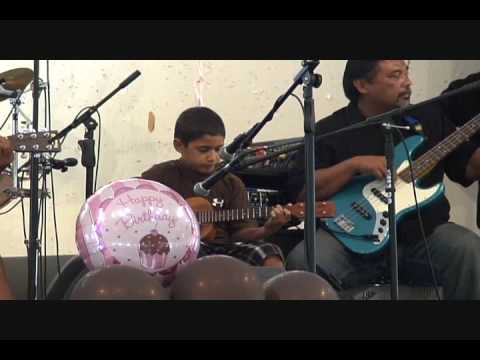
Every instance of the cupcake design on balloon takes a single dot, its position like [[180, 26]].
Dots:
[[154, 250]]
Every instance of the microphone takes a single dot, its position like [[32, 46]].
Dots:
[[62, 164], [226, 152], [128, 80], [203, 188], [414, 125], [417, 129]]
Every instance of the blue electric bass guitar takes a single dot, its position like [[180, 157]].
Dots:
[[361, 223]]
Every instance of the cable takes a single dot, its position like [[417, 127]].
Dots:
[[420, 221], [46, 253], [98, 149], [40, 267], [39, 247], [43, 234], [299, 101], [55, 222], [99, 142], [43, 196], [23, 209], [23, 216], [13, 207], [45, 108], [49, 99], [76, 117], [8, 117], [51, 173]]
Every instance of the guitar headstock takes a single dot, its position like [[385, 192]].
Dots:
[[323, 209], [35, 142]]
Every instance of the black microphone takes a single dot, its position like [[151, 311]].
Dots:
[[413, 125], [226, 152], [203, 188], [128, 80], [62, 164]]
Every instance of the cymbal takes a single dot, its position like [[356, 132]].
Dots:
[[15, 79]]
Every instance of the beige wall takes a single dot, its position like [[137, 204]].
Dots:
[[242, 92]]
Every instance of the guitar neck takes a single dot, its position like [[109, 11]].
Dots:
[[227, 215], [425, 163], [34, 142]]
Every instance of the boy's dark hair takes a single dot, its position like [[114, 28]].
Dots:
[[196, 122], [354, 70]]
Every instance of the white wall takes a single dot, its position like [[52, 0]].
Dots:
[[242, 92]]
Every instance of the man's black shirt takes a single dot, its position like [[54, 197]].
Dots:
[[370, 141]]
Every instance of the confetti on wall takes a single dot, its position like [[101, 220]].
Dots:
[[151, 121], [199, 85]]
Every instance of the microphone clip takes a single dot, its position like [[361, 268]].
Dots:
[[61, 165]]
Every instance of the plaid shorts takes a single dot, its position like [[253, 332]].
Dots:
[[254, 253]]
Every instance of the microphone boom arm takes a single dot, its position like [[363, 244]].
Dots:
[[245, 139], [85, 117]]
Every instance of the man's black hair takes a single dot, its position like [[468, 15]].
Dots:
[[355, 70]]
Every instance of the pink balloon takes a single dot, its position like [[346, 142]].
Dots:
[[139, 223]]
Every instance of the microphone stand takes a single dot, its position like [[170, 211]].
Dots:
[[87, 145], [33, 241], [390, 180], [309, 79]]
